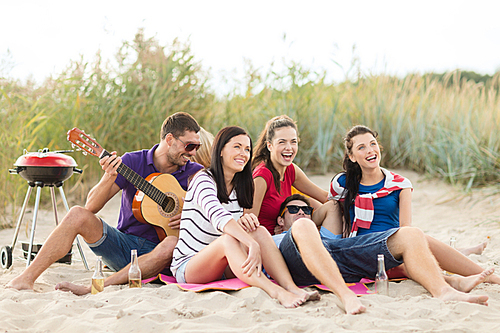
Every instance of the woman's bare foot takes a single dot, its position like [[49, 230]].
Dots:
[[467, 283], [76, 289], [493, 278], [309, 295], [478, 249], [20, 283], [289, 299], [450, 294], [352, 304]]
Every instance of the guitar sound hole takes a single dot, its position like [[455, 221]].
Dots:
[[168, 205]]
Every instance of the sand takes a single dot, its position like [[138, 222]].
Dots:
[[438, 209]]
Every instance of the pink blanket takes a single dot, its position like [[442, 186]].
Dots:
[[236, 284]]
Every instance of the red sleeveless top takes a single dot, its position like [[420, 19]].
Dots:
[[269, 210]]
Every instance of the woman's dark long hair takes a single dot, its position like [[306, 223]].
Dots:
[[353, 173], [242, 181], [262, 153]]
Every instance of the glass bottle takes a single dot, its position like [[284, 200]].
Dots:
[[381, 280], [134, 273], [453, 240], [97, 278]]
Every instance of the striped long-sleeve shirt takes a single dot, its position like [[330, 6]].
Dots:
[[203, 218]]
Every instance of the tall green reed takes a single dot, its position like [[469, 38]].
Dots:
[[123, 107], [444, 126]]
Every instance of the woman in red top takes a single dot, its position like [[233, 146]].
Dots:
[[274, 175]]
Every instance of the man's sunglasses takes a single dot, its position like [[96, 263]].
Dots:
[[293, 209], [190, 146]]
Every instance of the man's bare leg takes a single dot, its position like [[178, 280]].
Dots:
[[411, 244], [78, 221], [150, 264], [319, 262]]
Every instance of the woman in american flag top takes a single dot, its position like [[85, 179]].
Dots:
[[373, 199]]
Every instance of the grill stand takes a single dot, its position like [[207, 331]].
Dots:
[[39, 186]]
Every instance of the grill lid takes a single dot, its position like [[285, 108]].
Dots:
[[44, 158]]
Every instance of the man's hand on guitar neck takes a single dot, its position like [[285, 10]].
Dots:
[[110, 164]]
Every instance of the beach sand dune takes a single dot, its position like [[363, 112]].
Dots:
[[438, 209]]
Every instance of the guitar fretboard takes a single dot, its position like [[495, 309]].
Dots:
[[140, 183]]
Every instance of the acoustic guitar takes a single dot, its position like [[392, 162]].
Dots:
[[159, 197]]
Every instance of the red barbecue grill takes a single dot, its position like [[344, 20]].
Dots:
[[40, 169]]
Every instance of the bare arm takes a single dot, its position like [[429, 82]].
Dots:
[[306, 186], [101, 193], [405, 208], [260, 188]]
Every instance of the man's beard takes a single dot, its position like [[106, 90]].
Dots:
[[179, 161]]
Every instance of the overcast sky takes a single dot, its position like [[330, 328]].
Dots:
[[394, 37]]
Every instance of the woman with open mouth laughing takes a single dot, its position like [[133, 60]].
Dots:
[[375, 200], [275, 174]]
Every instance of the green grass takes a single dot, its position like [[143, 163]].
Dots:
[[446, 127]]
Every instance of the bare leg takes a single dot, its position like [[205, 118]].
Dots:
[[453, 261], [460, 283], [319, 262], [209, 264], [78, 221], [410, 244], [329, 216], [150, 264], [275, 265]]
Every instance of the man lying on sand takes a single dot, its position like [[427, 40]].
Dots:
[[316, 256]]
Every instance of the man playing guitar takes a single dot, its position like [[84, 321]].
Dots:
[[179, 142]]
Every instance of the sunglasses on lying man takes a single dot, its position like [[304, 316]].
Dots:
[[293, 209], [190, 146]]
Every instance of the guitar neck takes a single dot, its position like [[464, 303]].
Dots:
[[139, 182]]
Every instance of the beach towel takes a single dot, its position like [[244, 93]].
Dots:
[[363, 204], [358, 288]]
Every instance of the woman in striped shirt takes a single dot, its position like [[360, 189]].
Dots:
[[212, 244]]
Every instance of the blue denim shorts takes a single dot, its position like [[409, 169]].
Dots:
[[355, 257], [115, 246], [180, 273]]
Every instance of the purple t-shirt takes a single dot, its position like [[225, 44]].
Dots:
[[141, 161]]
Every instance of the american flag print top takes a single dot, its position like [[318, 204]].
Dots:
[[363, 203]]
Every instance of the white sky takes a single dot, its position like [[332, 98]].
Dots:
[[394, 37]]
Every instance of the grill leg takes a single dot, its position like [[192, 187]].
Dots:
[[33, 225], [54, 206], [77, 240], [21, 216]]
